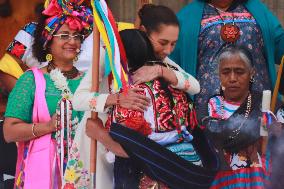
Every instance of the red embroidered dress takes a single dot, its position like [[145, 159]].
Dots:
[[170, 115]]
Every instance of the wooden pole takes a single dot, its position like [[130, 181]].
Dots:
[[277, 85], [95, 88]]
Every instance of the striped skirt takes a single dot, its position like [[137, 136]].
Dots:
[[253, 178]]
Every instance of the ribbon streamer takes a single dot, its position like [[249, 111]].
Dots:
[[115, 59]]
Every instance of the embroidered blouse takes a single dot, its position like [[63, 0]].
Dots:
[[84, 100], [168, 121]]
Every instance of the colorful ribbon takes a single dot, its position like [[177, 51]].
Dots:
[[115, 59]]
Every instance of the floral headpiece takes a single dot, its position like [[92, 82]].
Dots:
[[71, 12]]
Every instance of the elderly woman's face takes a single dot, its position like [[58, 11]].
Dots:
[[65, 44], [235, 77], [164, 40]]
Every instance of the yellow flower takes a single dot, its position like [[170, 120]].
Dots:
[[70, 174]]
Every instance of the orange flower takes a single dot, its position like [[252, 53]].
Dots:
[[186, 84], [93, 103]]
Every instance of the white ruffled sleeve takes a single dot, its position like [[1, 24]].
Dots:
[[186, 82]]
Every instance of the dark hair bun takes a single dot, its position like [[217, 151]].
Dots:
[[138, 48]]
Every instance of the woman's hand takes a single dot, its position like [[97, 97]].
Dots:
[[130, 100], [134, 101], [95, 130], [147, 73], [52, 125]]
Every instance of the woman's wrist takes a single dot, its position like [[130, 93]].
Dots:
[[161, 71], [40, 129], [112, 99], [168, 74]]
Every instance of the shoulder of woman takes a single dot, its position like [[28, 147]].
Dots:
[[26, 81], [28, 75]]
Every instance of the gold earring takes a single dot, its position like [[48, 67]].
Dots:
[[48, 57]]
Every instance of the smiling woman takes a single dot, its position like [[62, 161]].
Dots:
[[32, 113]]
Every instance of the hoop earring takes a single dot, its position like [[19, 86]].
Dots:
[[221, 90], [252, 80], [48, 57]]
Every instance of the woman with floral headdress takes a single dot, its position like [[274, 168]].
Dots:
[[44, 138]]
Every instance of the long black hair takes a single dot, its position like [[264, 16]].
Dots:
[[138, 47]]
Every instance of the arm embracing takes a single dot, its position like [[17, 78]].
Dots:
[[186, 82]]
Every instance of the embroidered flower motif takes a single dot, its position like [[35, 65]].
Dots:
[[93, 103], [61, 83], [70, 174], [186, 85], [18, 50], [76, 174]]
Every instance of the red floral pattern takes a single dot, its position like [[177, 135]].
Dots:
[[69, 186], [169, 116], [17, 49]]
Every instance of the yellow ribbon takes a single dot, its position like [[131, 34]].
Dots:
[[10, 66], [105, 39]]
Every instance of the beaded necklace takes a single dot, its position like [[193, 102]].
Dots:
[[237, 131], [71, 74]]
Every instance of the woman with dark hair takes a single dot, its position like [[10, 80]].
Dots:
[[209, 26], [162, 36], [161, 26], [234, 124], [34, 116], [168, 120]]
